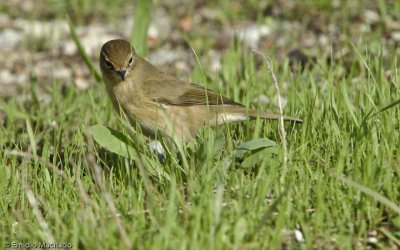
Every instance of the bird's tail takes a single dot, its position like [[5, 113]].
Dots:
[[235, 114], [271, 116]]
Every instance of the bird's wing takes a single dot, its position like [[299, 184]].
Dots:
[[179, 93]]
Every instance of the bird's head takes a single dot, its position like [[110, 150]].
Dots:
[[117, 57]]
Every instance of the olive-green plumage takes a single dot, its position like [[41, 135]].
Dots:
[[160, 102]]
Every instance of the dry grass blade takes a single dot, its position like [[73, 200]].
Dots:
[[282, 131], [58, 171], [97, 172], [35, 208]]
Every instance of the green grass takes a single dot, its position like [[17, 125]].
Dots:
[[217, 202], [341, 184]]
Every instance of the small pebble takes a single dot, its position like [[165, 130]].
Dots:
[[298, 235], [252, 34]]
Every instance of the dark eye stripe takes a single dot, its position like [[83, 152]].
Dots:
[[130, 60]]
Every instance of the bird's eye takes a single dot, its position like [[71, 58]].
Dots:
[[130, 61], [108, 64]]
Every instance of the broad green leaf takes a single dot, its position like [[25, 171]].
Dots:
[[254, 145], [113, 141], [118, 143], [260, 155]]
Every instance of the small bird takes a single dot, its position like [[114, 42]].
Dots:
[[160, 102]]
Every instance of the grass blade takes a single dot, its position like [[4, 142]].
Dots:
[[141, 26], [388, 107], [366, 190], [82, 51]]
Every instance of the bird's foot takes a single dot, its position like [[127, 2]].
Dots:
[[157, 147]]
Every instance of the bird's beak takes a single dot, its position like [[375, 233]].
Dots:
[[122, 73]]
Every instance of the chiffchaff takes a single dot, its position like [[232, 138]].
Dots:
[[161, 102]]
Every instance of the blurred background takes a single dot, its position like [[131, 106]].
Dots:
[[35, 41]]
